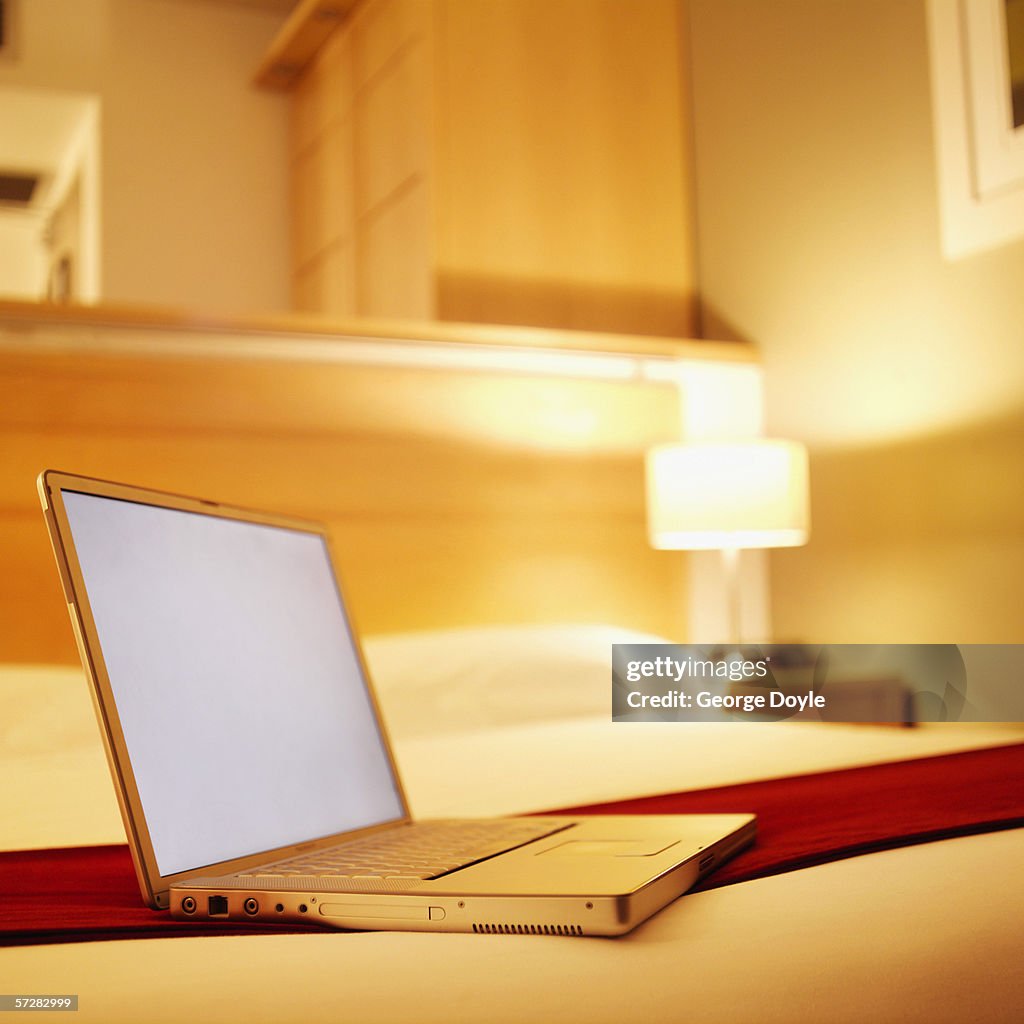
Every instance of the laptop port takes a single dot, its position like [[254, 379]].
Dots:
[[217, 906], [251, 906], [188, 904]]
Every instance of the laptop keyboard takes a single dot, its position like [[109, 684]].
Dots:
[[422, 850]]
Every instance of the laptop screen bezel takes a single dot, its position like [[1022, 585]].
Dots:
[[154, 885]]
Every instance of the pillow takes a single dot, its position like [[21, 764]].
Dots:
[[478, 677], [44, 708], [438, 681], [57, 789]]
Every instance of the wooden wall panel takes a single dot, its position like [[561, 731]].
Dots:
[[454, 497], [360, 160], [322, 183], [392, 129], [392, 138], [327, 282], [392, 278], [164, 396], [382, 30], [323, 94], [324, 171], [563, 171], [515, 161]]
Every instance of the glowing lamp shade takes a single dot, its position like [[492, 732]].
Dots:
[[727, 495]]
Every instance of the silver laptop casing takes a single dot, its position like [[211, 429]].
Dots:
[[596, 875]]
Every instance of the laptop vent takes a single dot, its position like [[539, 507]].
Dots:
[[527, 929]]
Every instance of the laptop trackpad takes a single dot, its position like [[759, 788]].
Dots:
[[612, 847]]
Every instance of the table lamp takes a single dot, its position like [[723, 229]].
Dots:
[[728, 495]]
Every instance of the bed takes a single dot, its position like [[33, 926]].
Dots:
[[928, 931], [497, 704]]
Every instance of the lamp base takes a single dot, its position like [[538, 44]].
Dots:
[[731, 566]]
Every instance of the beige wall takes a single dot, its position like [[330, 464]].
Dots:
[[819, 240], [22, 257], [193, 159]]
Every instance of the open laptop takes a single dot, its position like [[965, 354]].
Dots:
[[251, 763]]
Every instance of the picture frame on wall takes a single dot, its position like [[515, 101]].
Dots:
[[979, 146]]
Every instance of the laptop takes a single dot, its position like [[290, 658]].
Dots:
[[251, 762]]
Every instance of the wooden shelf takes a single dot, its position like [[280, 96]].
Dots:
[[339, 333], [300, 39]]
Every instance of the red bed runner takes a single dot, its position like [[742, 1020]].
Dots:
[[77, 894]]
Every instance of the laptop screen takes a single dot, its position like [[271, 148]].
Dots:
[[243, 706]]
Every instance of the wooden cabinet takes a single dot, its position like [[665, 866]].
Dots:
[[497, 161]]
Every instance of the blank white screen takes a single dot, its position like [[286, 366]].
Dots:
[[244, 711]]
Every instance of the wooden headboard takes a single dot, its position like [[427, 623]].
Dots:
[[469, 475]]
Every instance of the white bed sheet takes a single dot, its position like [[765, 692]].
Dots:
[[546, 766], [878, 938]]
